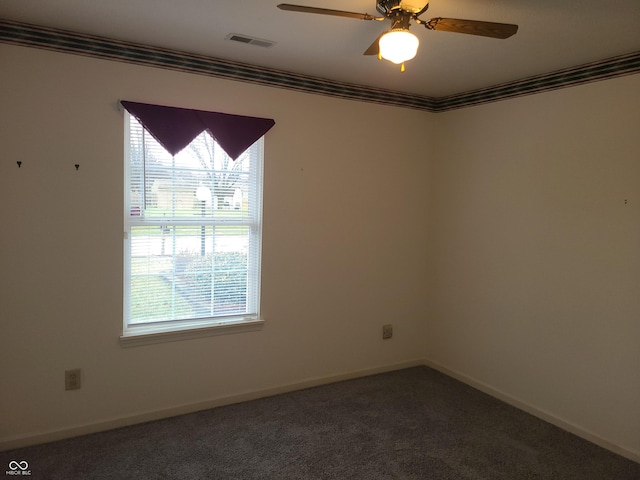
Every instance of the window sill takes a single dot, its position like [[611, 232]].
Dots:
[[148, 336]]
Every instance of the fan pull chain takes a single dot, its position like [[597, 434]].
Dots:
[[402, 67]]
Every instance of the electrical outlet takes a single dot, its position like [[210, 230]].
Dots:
[[72, 379], [387, 331]]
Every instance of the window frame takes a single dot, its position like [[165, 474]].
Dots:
[[181, 329]]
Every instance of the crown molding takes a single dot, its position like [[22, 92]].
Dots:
[[18, 33]]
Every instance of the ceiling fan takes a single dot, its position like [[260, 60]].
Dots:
[[398, 44]]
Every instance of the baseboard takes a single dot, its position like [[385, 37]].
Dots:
[[536, 412], [52, 436]]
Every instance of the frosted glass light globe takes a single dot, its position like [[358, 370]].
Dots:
[[398, 46]]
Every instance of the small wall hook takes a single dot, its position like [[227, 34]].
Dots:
[[77, 166], [19, 164]]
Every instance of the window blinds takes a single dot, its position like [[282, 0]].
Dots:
[[193, 224]]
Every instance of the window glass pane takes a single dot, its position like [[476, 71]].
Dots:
[[193, 247]]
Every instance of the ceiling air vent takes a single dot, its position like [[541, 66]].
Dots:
[[259, 42]]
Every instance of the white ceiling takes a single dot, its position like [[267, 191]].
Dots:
[[553, 34]]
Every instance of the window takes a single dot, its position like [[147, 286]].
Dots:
[[192, 235]]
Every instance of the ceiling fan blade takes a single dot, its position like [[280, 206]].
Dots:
[[327, 11], [473, 27], [374, 48]]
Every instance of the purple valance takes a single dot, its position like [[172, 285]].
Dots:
[[175, 128]]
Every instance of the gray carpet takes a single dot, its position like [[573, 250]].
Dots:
[[410, 424]]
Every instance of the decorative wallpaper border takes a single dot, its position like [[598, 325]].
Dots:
[[101, 47], [568, 77]]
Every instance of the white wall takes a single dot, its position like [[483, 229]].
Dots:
[[504, 225], [535, 254], [343, 250]]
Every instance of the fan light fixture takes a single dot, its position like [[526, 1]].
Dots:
[[398, 45]]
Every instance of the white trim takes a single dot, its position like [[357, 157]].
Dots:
[[55, 435], [536, 412], [135, 337]]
